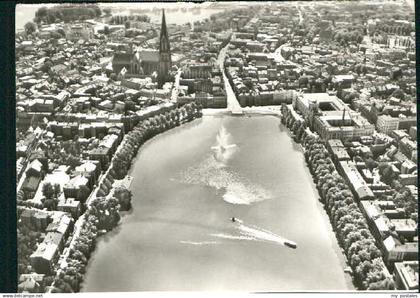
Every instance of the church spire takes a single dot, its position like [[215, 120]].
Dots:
[[163, 30], [165, 61], [164, 39]]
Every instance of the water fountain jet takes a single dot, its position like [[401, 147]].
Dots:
[[222, 150]]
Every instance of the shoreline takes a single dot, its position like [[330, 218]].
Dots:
[[85, 224], [247, 111], [348, 278], [340, 253], [224, 112], [265, 111], [347, 282], [329, 183]]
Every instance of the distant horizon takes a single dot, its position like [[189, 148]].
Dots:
[[26, 12]]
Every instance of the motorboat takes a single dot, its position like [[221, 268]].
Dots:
[[290, 244]]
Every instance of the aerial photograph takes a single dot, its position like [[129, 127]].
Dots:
[[216, 146]]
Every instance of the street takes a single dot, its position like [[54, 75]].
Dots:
[[232, 102]]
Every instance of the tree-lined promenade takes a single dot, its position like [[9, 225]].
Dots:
[[347, 220], [103, 211]]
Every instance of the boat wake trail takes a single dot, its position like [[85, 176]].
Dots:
[[253, 233], [261, 234], [235, 237], [199, 242]]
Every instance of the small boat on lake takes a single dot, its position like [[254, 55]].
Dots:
[[290, 244]]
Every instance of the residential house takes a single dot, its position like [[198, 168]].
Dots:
[[43, 259], [71, 206], [394, 251], [74, 188]]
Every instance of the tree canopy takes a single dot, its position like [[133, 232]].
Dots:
[[67, 13], [30, 27]]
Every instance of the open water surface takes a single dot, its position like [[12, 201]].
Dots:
[[186, 188]]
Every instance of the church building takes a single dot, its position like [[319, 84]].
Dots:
[[146, 62]]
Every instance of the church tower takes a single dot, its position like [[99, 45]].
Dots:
[[165, 62]]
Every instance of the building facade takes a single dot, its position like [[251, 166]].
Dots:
[[330, 118], [407, 275]]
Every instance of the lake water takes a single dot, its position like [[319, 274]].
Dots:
[[179, 235], [26, 12], [177, 17]]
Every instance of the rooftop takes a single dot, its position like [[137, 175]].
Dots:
[[322, 99], [76, 182], [409, 273], [86, 167], [45, 251], [148, 55], [404, 224], [122, 58]]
